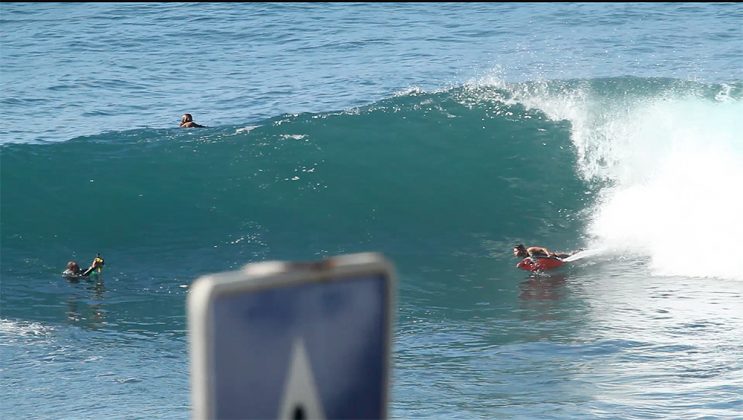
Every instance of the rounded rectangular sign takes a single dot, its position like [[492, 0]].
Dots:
[[293, 340]]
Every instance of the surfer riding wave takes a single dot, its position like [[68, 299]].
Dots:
[[539, 258], [537, 251]]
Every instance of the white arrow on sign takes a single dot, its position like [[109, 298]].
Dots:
[[301, 400]]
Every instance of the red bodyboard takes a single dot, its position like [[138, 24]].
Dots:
[[540, 264]]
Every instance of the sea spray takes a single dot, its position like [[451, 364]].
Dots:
[[668, 159]]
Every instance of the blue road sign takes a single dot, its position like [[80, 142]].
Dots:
[[302, 349]]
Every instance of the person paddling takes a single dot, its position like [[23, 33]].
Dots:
[[536, 251], [188, 122]]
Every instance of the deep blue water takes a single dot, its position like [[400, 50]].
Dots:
[[437, 134]]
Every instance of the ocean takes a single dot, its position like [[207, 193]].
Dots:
[[439, 135]]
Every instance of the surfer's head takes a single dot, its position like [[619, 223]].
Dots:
[[186, 118], [520, 251], [72, 266]]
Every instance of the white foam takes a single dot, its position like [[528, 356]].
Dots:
[[23, 328], [586, 253], [674, 166], [246, 129]]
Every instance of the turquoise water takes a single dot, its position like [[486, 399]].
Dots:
[[437, 134]]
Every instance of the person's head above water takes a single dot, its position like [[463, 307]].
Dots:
[[188, 122], [520, 251], [72, 266]]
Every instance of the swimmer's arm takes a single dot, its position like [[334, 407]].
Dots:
[[90, 269]]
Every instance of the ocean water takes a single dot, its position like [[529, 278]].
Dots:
[[437, 134]]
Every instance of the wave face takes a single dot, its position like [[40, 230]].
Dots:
[[641, 166], [417, 171]]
